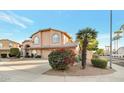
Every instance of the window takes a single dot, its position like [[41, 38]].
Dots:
[[1, 45], [10, 45], [36, 40], [55, 38]]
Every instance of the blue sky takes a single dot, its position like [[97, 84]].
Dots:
[[19, 25]]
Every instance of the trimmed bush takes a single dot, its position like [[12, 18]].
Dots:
[[101, 63], [95, 56], [61, 59], [4, 55], [78, 58], [19, 55], [14, 52], [38, 56]]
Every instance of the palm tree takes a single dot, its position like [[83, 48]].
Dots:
[[115, 39], [84, 36], [122, 29], [117, 36]]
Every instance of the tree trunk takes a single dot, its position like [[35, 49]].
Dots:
[[114, 46], [84, 53], [117, 45], [80, 51]]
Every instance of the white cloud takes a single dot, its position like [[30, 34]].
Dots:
[[26, 20], [12, 18], [5, 17], [19, 23], [21, 18]]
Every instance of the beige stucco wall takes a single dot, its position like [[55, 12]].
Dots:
[[6, 43], [46, 39], [23, 48], [45, 53], [5, 46], [65, 39], [32, 40], [39, 52], [36, 51], [26, 43]]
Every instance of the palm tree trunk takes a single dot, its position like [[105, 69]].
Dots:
[[84, 53], [117, 44], [80, 49]]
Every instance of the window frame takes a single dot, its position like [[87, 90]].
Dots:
[[37, 39], [53, 38]]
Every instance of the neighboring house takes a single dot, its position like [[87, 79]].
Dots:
[[107, 50], [6, 44], [46, 40], [119, 53], [25, 48]]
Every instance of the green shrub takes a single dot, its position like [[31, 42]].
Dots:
[[78, 58], [32, 55], [38, 56], [60, 59], [4, 55], [101, 63], [19, 54], [95, 56], [14, 52]]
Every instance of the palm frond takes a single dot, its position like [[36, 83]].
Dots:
[[87, 32]]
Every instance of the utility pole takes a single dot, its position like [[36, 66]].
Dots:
[[111, 39]]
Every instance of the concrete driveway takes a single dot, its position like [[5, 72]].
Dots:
[[32, 71]]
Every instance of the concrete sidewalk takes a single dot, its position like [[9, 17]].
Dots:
[[32, 71]]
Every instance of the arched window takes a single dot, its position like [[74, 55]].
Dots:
[[1, 45], [55, 38], [10, 45], [36, 40]]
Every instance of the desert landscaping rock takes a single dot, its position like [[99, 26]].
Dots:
[[77, 71]]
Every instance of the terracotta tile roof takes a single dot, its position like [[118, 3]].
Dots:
[[9, 40], [26, 41], [48, 29]]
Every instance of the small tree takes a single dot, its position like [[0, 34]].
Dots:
[[100, 51], [84, 36], [14, 52]]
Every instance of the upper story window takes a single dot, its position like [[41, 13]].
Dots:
[[10, 45], [55, 38], [36, 40], [1, 45]]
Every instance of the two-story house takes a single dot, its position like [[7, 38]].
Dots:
[[6, 44], [46, 40]]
